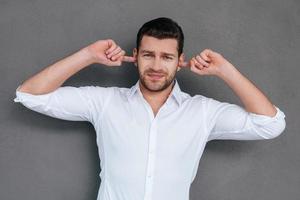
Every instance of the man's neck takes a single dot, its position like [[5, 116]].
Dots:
[[156, 99]]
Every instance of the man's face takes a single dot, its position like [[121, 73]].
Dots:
[[157, 62]]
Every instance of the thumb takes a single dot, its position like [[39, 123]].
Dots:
[[128, 59], [183, 64]]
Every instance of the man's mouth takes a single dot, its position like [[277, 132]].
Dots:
[[155, 76]]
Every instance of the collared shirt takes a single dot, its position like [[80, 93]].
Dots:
[[147, 157]]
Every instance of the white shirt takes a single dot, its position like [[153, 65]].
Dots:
[[145, 157]]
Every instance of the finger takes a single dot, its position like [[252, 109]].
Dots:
[[116, 56], [206, 54], [115, 63], [197, 64], [129, 59], [183, 64], [200, 60], [114, 52], [112, 45], [196, 70], [192, 63]]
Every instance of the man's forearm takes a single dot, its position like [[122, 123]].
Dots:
[[53, 76], [253, 99]]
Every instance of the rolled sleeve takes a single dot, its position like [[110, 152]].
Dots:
[[67, 103], [270, 127], [232, 122]]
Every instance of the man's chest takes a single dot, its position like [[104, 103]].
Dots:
[[128, 128]]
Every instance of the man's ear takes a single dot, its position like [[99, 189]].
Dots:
[[181, 60], [134, 54]]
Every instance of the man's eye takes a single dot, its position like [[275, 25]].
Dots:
[[147, 55], [168, 58]]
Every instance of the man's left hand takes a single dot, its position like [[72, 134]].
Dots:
[[208, 62]]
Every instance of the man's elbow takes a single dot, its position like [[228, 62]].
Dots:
[[276, 129]]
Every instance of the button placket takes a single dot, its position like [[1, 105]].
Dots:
[[151, 160], [151, 146]]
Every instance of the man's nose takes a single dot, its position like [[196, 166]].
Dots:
[[157, 64]]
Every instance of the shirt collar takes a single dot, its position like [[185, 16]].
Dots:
[[176, 91]]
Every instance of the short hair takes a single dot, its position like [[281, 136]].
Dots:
[[162, 28]]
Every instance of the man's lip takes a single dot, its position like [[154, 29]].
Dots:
[[158, 75], [155, 76]]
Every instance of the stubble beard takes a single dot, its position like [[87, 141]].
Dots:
[[156, 85]]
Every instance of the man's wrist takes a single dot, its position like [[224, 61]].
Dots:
[[86, 56], [226, 72]]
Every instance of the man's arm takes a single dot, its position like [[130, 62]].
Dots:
[[213, 63], [259, 120], [53, 76], [253, 99], [42, 92]]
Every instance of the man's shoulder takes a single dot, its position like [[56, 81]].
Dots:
[[195, 97], [96, 90], [113, 90], [97, 87]]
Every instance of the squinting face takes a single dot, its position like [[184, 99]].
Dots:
[[157, 62]]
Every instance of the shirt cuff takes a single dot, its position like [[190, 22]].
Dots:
[[264, 119], [17, 98], [24, 96]]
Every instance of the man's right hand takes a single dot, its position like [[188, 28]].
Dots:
[[107, 52]]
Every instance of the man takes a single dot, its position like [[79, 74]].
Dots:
[[151, 136]]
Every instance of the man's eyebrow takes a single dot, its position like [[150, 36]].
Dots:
[[164, 53]]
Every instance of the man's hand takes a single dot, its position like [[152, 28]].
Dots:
[[107, 52], [208, 62]]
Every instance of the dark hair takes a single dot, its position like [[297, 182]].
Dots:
[[162, 28]]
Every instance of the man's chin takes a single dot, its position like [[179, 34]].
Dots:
[[155, 86]]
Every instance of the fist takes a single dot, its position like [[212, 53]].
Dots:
[[208, 62], [107, 52]]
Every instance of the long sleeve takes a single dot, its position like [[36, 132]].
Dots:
[[68, 103], [226, 121]]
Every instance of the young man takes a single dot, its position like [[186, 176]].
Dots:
[[151, 136]]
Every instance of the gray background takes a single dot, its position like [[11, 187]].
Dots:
[[47, 158]]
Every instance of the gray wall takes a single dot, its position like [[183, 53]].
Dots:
[[46, 158]]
